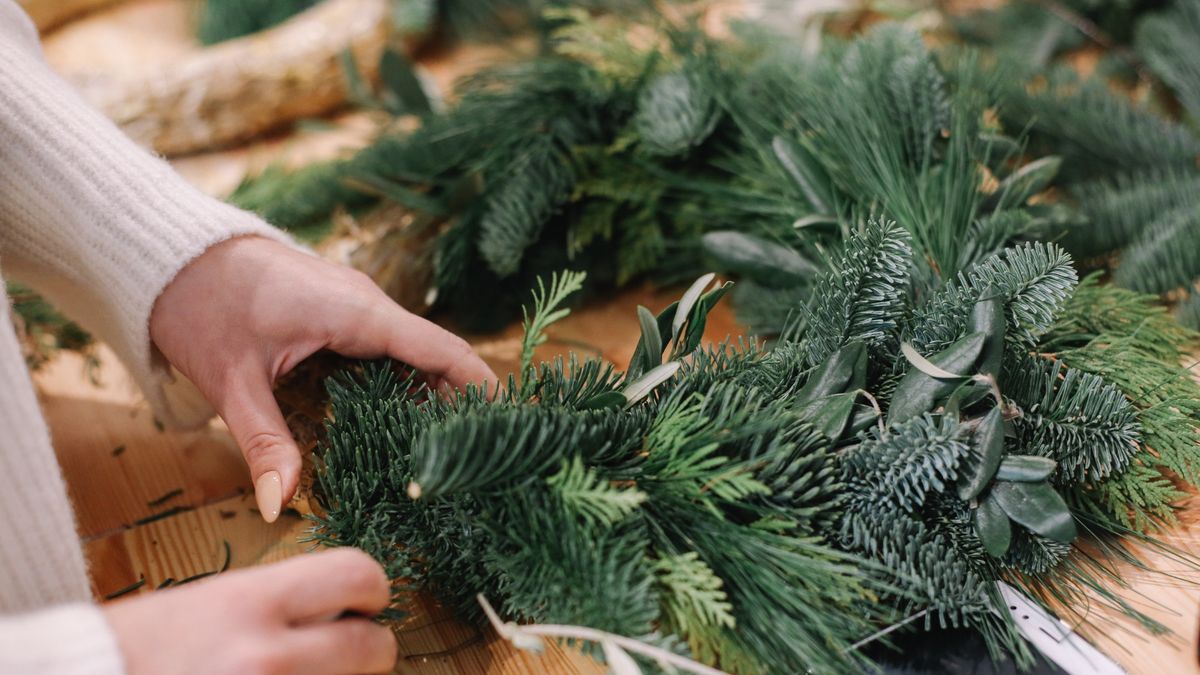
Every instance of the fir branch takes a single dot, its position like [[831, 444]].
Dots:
[[675, 112], [1096, 309], [516, 210], [1119, 208], [1167, 398], [1033, 280], [863, 296], [900, 467], [1077, 419], [1165, 255]]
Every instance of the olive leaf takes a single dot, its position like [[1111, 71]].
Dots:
[[687, 301], [695, 316], [699, 319], [608, 399], [989, 449], [830, 414], [799, 164], [864, 416], [987, 317], [1025, 182], [932, 379], [1037, 506], [992, 526], [966, 395], [402, 89], [651, 339], [641, 387], [844, 370], [764, 262], [1026, 468]]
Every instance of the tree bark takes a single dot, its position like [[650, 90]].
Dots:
[[233, 91]]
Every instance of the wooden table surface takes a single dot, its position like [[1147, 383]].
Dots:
[[162, 504]]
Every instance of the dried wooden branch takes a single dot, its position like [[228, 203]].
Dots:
[[48, 14], [236, 90]]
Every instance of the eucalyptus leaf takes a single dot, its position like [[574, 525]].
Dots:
[[918, 392], [843, 371], [1037, 506], [1026, 468], [764, 262], [988, 451], [651, 339], [992, 526]]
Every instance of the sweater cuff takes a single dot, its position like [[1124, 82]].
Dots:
[[65, 640], [99, 225]]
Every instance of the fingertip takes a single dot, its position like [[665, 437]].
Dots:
[[277, 477], [268, 493]]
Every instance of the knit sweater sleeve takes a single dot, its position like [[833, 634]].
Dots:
[[64, 640], [95, 223]]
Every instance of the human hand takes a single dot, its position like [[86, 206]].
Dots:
[[281, 618], [249, 309]]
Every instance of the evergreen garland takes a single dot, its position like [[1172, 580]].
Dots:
[[745, 472]]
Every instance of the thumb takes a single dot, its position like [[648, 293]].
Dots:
[[249, 410]]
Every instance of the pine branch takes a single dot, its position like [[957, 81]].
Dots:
[[1167, 40]]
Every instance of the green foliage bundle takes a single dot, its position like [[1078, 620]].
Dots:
[[556, 162], [900, 449], [221, 20], [1129, 168], [618, 158]]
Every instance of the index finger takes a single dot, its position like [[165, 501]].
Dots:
[[323, 585], [422, 344]]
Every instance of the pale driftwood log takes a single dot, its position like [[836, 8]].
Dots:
[[47, 14], [235, 90]]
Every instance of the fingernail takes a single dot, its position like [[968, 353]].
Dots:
[[268, 492]]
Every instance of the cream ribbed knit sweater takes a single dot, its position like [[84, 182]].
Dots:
[[99, 227]]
